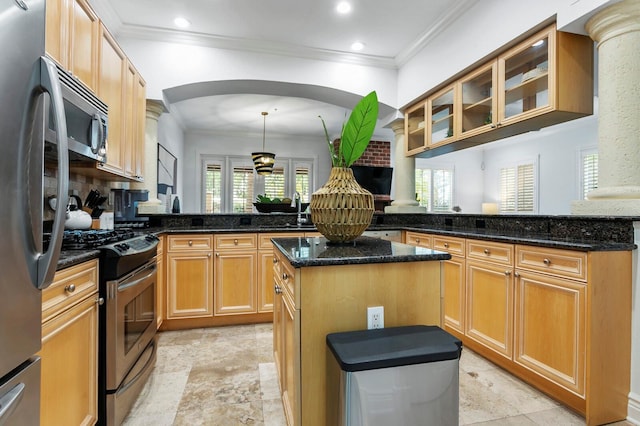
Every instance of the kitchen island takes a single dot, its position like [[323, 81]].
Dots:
[[323, 288]]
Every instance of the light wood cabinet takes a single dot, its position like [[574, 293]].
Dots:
[[442, 117], [69, 378], [266, 262], [71, 38], [160, 280], [189, 276], [236, 277], [544, 79], [417, 239], [550, 328], [454, 282], [546, 315], [306, 294], [490, 306], [111, 89]]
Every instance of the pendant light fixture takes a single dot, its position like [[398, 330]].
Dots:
[[263, 161]]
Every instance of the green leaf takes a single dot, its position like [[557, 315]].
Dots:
[[357, 132]]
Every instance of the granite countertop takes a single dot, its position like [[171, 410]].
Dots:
[[73, 257], [512, 237], [318, 251]]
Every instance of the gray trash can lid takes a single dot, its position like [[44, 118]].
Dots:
[[392, 347]]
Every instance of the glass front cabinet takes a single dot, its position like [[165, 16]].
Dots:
[[545, 79]]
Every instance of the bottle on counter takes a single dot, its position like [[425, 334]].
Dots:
[[176, 205]]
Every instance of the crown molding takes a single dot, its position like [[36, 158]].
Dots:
[[257, 46], [446, 19]]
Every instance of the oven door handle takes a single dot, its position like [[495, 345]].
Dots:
[[125, 285], [142, 370]]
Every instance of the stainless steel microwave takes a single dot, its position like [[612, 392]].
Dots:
[[86, 118]]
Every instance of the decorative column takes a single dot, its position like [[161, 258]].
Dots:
[[616, 29], [153, 205], [404, 180]]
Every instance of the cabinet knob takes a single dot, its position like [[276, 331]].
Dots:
[[516, 274], [417, 240], [507, 273], [190, 242], [100, 300], [70, 288], [275, 260], [487, 252], [446, 245], [235, 242], [546, 261], [277, 289], [285, 276]]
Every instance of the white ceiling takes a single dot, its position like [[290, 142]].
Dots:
[[391, 31]]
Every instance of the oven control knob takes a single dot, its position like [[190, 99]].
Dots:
[[122, 247]]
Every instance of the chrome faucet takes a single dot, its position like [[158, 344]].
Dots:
[[299, 220]]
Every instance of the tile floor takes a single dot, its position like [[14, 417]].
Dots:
[[226, 376]]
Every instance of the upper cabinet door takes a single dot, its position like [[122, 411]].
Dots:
[[479, 102], [57, 14], [84, 32], [414, 129], [527, 78], [442, 117]]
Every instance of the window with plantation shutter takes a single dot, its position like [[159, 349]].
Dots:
[[518, 189], [589, 172], [231, 185], [242, 189], [434, 189], [303, 182], [213, 188], [274, 184]]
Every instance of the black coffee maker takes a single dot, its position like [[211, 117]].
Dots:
[[125, 207]]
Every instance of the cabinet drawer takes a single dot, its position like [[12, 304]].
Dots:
[[69, 287], [264, 240], [451, 245], [418, 239], [189, 242], [565, 263], [489, 251], [235, 241]]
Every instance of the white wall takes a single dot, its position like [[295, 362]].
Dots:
[[165, 65], [557, 150], [171, 136], [483, 29]]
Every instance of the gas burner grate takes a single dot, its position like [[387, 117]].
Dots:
[[78, 240]]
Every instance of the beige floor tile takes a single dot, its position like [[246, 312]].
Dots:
[[226, 376], [556, 416]]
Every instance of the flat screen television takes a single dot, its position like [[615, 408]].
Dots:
[[376, 180]]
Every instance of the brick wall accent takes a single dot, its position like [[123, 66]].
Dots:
[[377, 154]]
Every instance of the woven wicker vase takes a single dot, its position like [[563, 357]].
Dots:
[[341, 210]]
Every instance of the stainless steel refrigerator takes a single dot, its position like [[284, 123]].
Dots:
[[26, 77]]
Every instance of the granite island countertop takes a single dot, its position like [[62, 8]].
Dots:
[[318, 251]]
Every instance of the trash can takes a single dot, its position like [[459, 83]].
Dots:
[[397, 376]]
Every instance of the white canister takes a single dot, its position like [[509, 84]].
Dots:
[[106, 220]]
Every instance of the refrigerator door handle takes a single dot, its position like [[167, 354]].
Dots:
[[47, 261], [10, 401]]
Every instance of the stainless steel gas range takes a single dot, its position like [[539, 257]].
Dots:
[[127, 322]]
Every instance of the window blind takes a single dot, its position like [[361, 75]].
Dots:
[[303, 183], [213, 188], [242, 189], [589, 173], [517, 189], [274, 184]]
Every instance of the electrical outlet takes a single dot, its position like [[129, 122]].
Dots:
[[375, 317]]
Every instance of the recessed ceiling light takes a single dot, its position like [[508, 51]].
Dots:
[[357, 46], [343, 7], [181, 22]]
